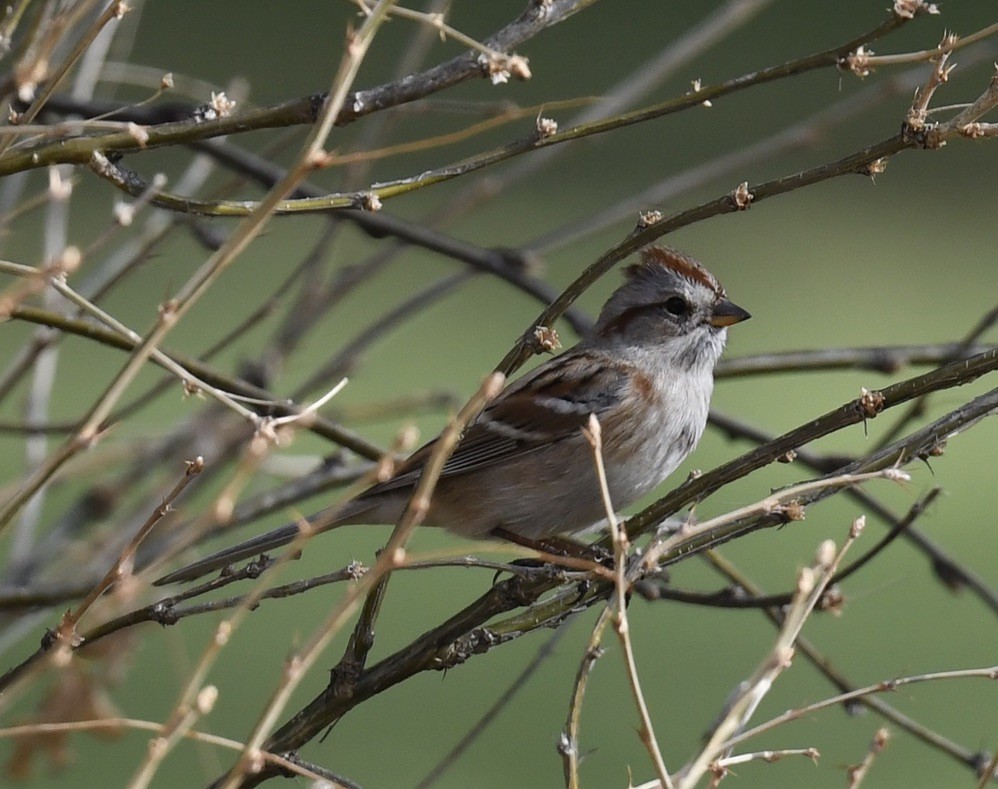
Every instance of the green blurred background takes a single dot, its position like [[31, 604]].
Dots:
[[910, 258]]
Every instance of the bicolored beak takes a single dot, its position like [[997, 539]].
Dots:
[[726, 313]]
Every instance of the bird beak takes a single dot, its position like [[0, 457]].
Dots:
[[726, 313]]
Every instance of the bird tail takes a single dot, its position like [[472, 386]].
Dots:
[[269, 541]]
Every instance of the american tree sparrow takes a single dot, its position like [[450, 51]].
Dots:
[[523, 467]]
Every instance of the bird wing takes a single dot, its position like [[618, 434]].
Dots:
[[548, 405]]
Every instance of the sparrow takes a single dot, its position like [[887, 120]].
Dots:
[[523, 468]]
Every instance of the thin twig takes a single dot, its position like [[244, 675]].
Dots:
[[989, 772], [887, 359], [811, 585], [117, 723], [958, 42], [618, 604], [857, 774], [124, 565], [885, 686]]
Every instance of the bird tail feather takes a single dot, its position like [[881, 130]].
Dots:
[[269, 541]]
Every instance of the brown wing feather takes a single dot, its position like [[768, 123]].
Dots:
[[557, 407]]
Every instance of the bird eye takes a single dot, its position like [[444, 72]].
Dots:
[[676, 306]]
